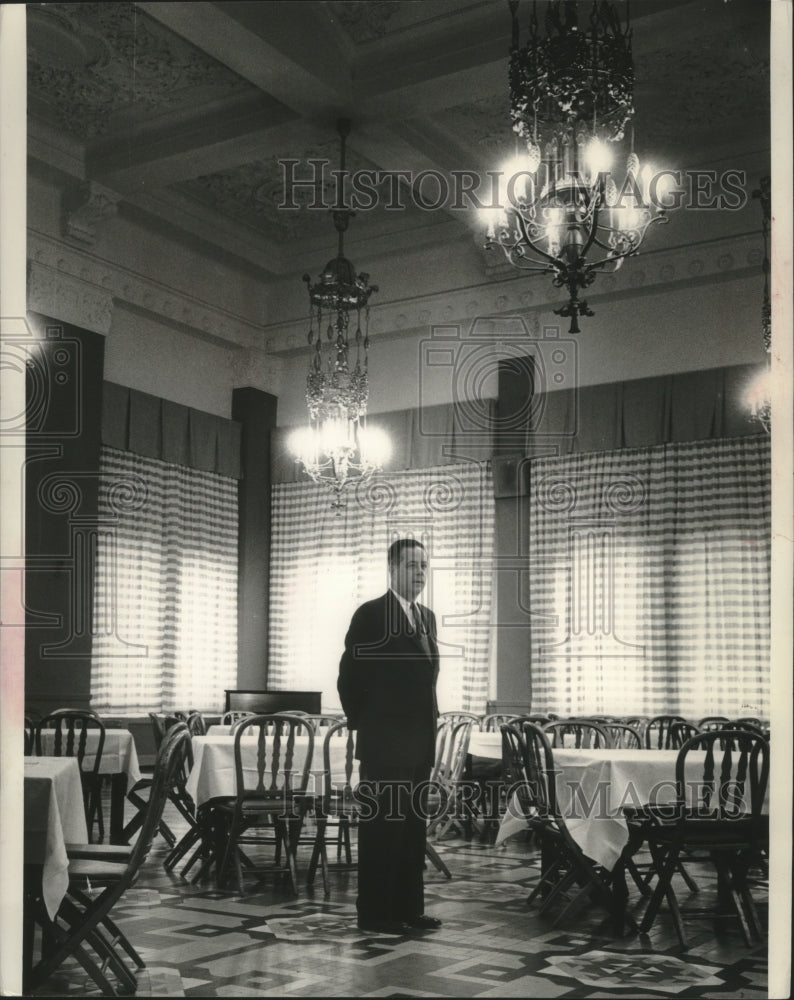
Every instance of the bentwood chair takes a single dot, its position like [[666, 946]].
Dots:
[[624, 737], [322, 723], [447, 802], [83, 928], [680, 732], [454, 717], [518, 789], [713, 722], [568, 873], [443, 735], [577, 734], [196, 724], [233, 717], [491, 723], [752, 724], [272, 759], [30, 736], [657, 731], [337, 806], [538, 720], [80, 734], [724, 824]]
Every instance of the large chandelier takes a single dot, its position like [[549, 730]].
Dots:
[[337, 446], [561, 209], [759, 392]]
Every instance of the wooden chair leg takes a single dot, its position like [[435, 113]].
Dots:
[[432, 854]]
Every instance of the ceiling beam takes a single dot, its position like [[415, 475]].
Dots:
[[283, 48]]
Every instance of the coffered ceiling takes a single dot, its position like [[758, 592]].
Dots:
[[183, 112]]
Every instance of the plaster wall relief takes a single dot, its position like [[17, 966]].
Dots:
[[69, 298], [663, 270], [66, 279]]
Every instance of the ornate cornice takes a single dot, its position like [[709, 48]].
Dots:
[[677, 267], [79, 288]]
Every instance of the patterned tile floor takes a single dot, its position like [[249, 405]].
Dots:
[[198, 941]]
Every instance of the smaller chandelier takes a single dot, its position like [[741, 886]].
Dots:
[[337, 446], [560, 210]]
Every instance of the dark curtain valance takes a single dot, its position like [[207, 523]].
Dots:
[[420, 439], [665, 409], [157, 428], [668, 409]]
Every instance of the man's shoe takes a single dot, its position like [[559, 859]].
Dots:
[[424, 923], [384, 926]]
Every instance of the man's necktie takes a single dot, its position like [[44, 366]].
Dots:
[[419, 626]]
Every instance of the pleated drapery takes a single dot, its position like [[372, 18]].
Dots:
[[324, 565], [649, 576], [165, 628]]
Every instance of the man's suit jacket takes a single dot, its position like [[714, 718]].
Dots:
[[387, 685]]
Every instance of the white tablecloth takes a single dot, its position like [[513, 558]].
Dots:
[[54, 817], [593, 788], [118, 755], [213, 774], [486, 745]]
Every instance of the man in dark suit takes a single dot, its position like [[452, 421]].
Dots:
[[387, 685]]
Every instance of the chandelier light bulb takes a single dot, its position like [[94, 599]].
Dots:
[[493, 219], [599, 158]]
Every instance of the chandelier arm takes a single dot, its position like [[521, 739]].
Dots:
[[593, 228], [528, 240]]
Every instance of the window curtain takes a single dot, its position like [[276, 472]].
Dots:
[[165, 628], [324, 563], [649, 572]]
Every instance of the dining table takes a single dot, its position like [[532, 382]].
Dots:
[[119, 762], [213, 777], [594, 787], [213, 773], [53, 817]]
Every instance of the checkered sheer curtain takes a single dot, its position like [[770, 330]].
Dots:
[[650, 580], [165, 596], [323, 566]]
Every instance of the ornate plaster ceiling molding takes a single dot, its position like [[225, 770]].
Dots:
[[88, 206], [69, 298], [88, 61], [67, 280], [254, 192], [730, 257]]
